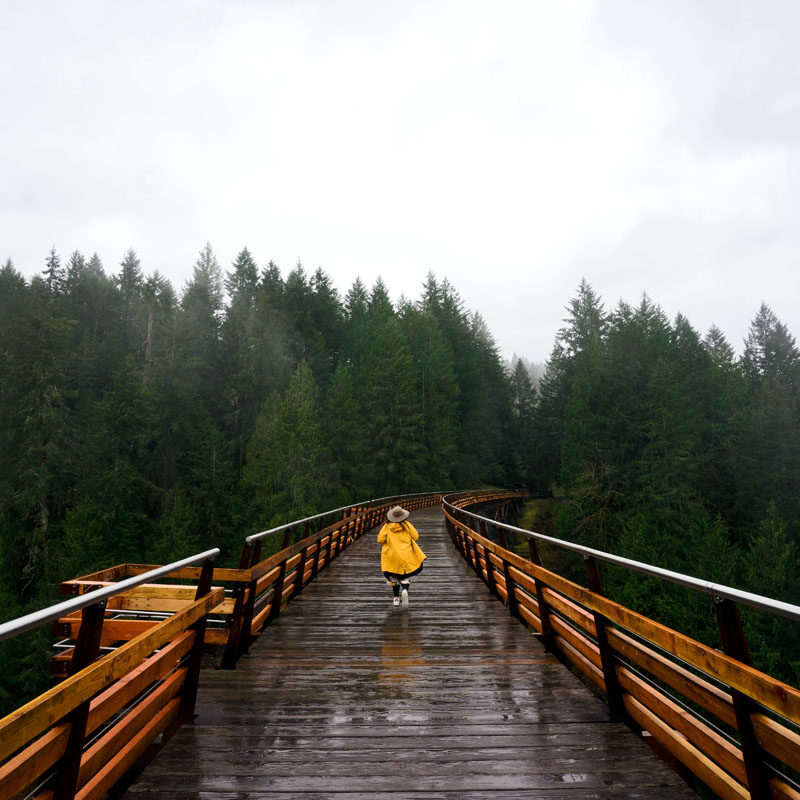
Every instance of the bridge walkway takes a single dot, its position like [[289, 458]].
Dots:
[[347, 697]]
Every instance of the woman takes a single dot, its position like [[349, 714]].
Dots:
[[401, 557]]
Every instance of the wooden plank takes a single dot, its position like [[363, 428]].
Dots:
[[19, 772], [145, 590], [705, 694], [716, 747], [172, 606], [292, 562], [710, 773], [524, 599], [778, 740], [129, 686], [530, 618], [216, 636], [112, 574], [20, 726], [572, 611], [592, 672], [116, 739], [265, 581], [122, 761], [193, 573], [580, 642], [782, 791], [114, 630]]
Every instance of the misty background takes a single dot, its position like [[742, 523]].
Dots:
[[512, 147]]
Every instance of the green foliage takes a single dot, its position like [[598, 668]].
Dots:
[[673, 453]]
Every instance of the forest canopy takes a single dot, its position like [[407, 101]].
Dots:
[[141, 424], [670, 450]]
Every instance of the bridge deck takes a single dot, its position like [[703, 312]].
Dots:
[[346, 696]]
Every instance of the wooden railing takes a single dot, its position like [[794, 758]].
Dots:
[[131, 644], [727, 723], [256, 591], [275, 580], [80, 737]]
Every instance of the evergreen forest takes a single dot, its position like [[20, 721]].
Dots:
[[142, 424], [669, 449]]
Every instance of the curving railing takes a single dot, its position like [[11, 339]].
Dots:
[[712, 713], [131, 644], [278, 578], [263, 583], [129, 682]]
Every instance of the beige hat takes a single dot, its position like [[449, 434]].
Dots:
[[397, 514]]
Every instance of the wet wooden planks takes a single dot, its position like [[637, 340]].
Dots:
[[346, 696]]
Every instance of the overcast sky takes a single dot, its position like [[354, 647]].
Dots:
[[512, 147]]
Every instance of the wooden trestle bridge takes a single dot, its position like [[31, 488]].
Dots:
[[293, 676]]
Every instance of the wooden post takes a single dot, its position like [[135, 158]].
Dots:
[[548, 635], [231, 653], [328, 550], [277, 596], [87, 648], [249, 606], [734, 644], [502, 540], [491, 581], [189, 691], [315, 568], [451, 529], [301, 571], [474, 546], [287, 538], [511, 599], [613, 689]]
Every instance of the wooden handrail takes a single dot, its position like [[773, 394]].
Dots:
[[697, 676], [152, 676]]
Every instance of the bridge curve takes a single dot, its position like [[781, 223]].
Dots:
[[346, 696]]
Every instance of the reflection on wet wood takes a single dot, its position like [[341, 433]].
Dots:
[[347, 696]]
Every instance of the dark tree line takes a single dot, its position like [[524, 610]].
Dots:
[[141, 425], [673, 451]]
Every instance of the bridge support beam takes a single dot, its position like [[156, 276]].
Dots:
[[607, 659], [87, 648], [249, 606], [232, 647], [548, 636], [189, 690], [734, 644]]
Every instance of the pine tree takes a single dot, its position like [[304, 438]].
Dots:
[[356, 329], [438, 395], [241, 352], [578, 348], [76, 272], [287, 474], [388, 383], [345, 437], [55, 276]]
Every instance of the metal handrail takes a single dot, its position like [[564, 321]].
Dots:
[[758, 601], [366, 503], [52, 613]]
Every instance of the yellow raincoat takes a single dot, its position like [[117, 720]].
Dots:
[[400, 554]]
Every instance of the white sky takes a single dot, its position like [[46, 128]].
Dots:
[[512, 147]]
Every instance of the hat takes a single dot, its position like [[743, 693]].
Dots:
[[397, 514]]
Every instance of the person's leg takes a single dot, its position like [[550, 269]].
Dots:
[[394, 582], [405, 578]]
